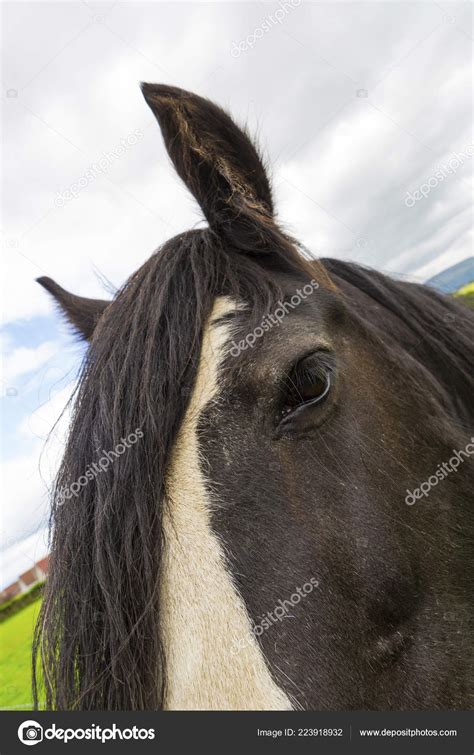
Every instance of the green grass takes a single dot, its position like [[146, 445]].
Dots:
[[467, 289], [16, 635], [466, 295]]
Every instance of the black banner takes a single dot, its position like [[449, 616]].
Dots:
[[448, 732]]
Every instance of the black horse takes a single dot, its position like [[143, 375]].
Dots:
[[280, 522]]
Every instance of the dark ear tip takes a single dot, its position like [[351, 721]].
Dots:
[[49, 284], [154, 93]]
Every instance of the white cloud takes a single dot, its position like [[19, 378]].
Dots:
[[48, 425], [456, 251], [355, 157], [26, 484], [24, 509], [23, 360]]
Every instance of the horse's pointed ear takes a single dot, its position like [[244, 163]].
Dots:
[[83, 314], [218, 163]]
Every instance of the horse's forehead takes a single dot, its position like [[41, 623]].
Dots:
[[213, 658]]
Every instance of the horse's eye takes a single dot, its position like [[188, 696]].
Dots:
[[309, 382]]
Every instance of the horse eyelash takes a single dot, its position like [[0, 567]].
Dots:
[[324, 363]]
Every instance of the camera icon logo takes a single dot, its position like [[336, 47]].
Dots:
[[30, 733]]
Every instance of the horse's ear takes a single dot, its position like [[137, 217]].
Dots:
[[218, 163], [82, 313]]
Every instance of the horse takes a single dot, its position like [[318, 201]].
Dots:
[[258, 506]]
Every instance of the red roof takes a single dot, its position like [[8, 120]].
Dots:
[[10, 591], [29, 577], [43, 564]]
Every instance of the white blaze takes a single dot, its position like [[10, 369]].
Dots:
[[213, 659]]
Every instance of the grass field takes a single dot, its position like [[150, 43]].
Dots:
[[466, 293], [16, 634]]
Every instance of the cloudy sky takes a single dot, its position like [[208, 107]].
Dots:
[[355, 105]]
